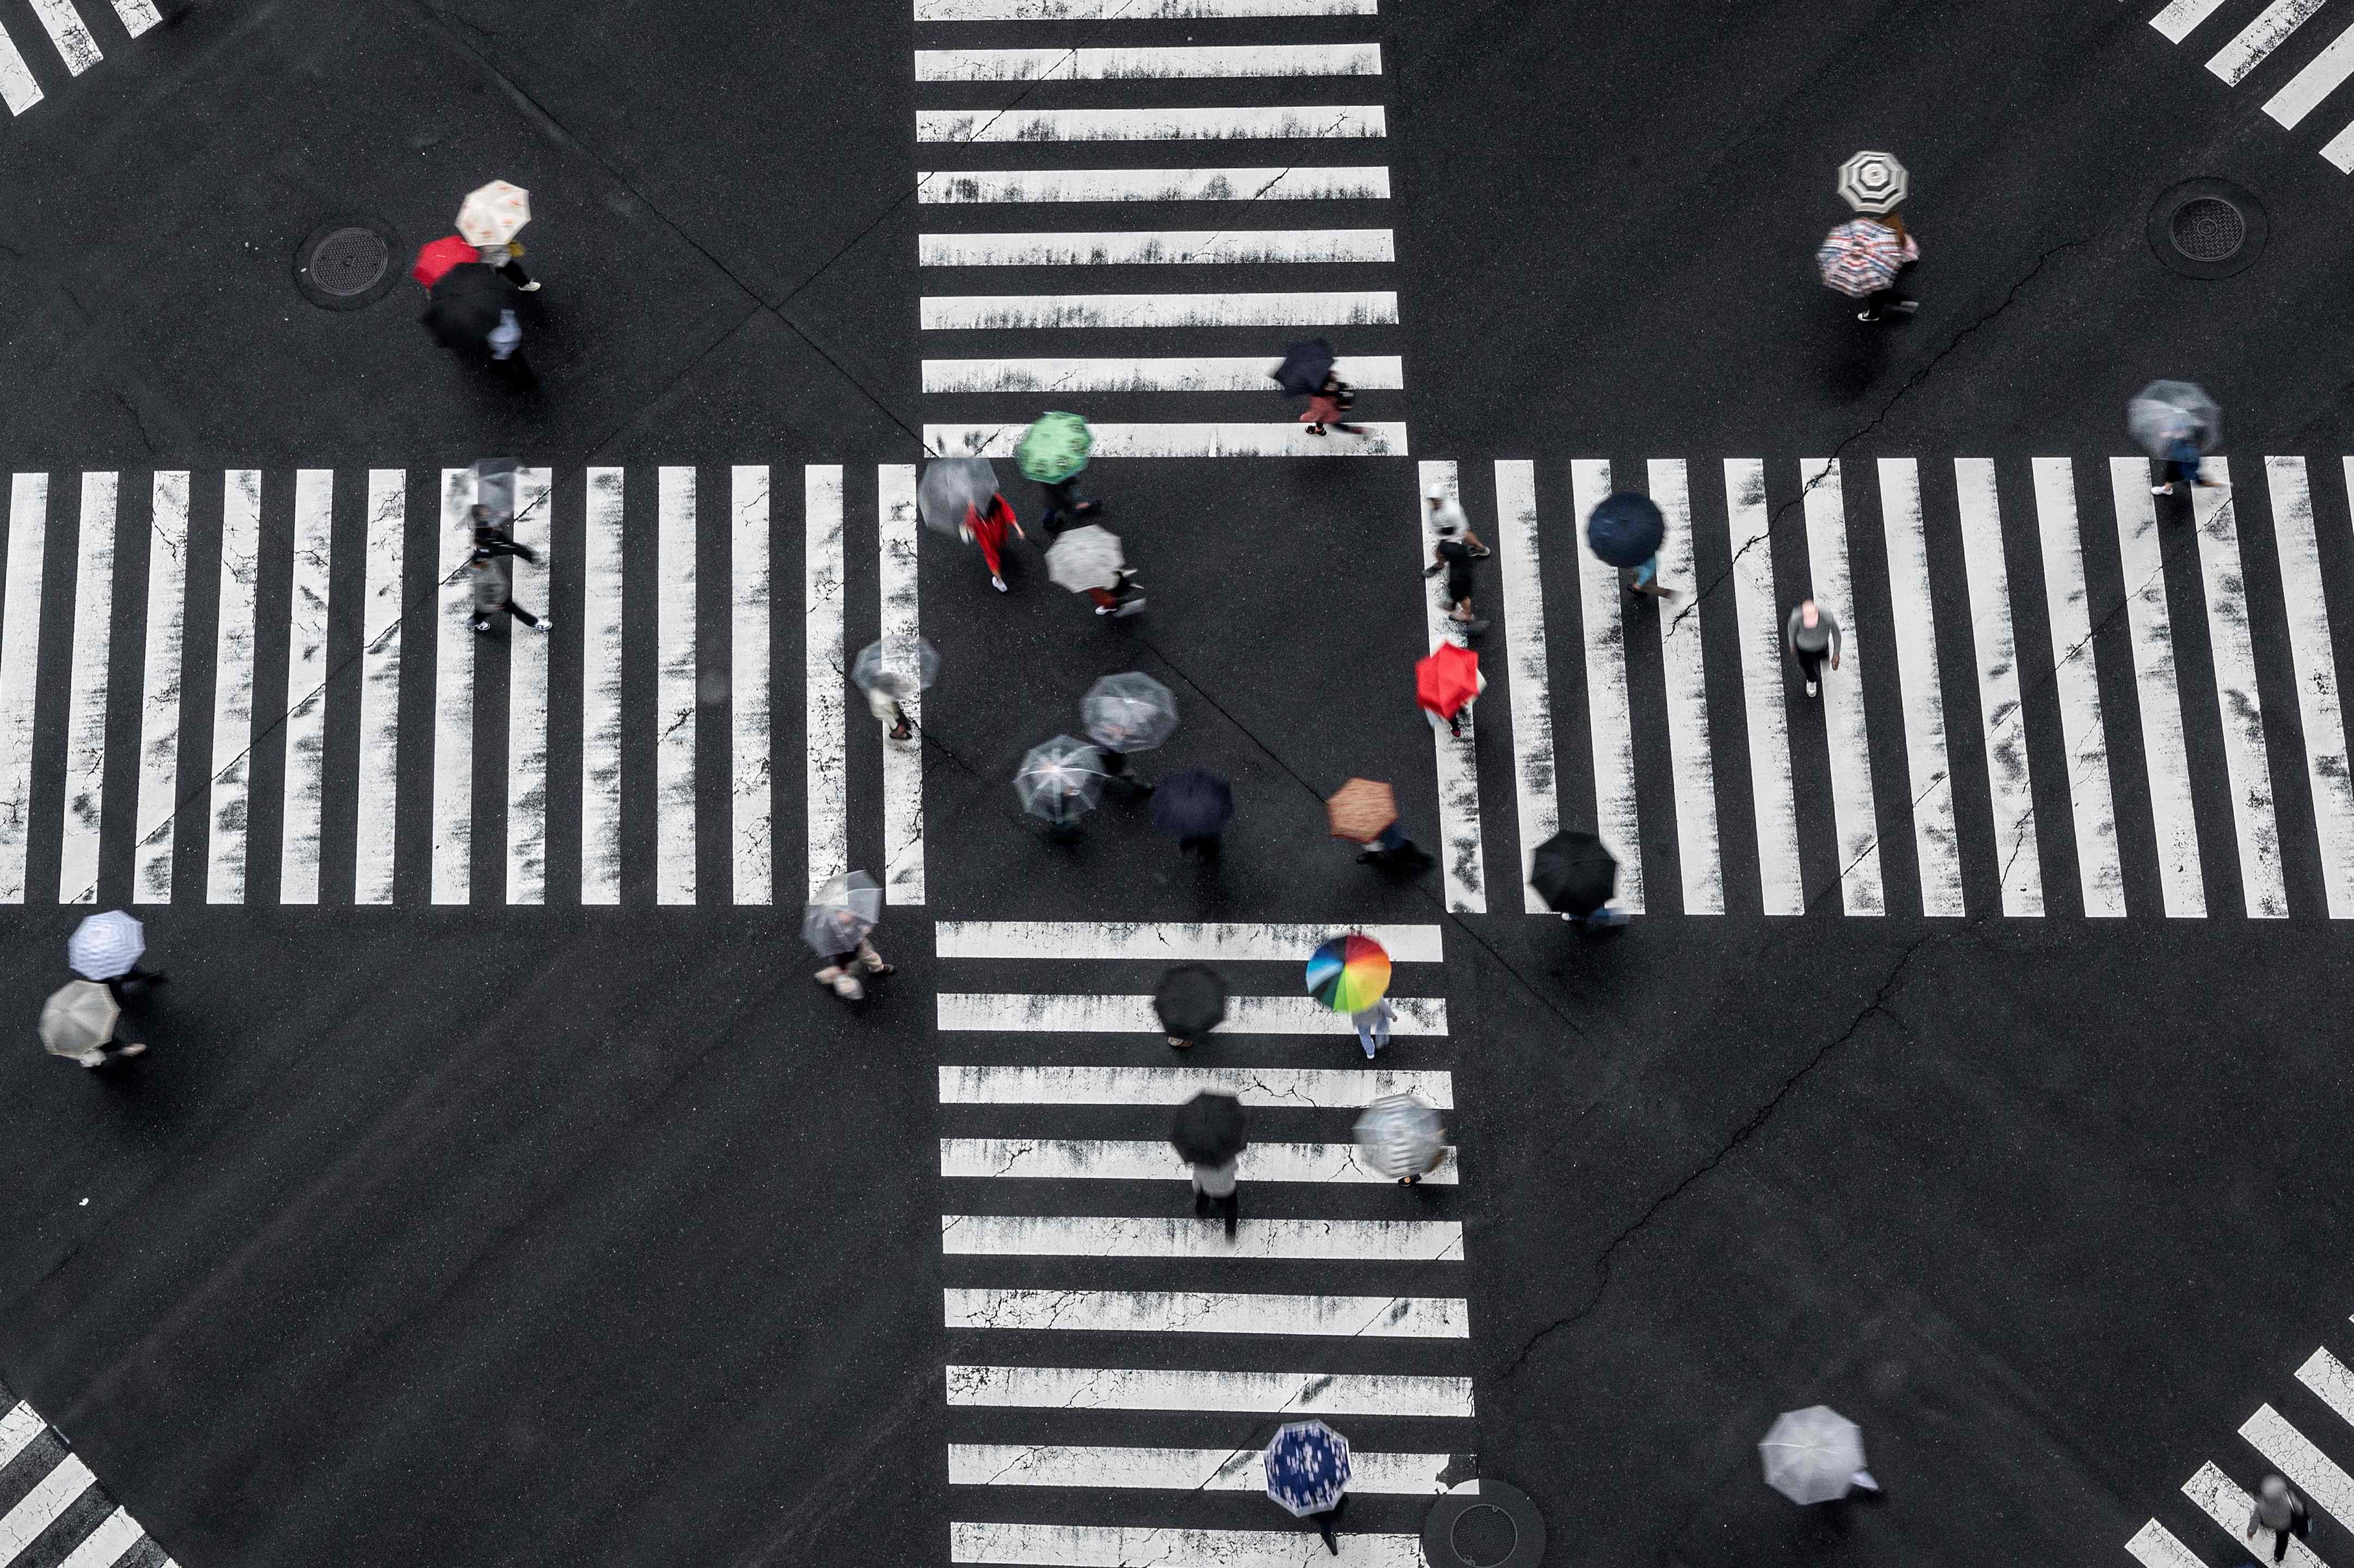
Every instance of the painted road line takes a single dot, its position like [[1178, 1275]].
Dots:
[[527, 662], [2154, 1546], [1378, 438], [2000, 717], [2323, 74], [1197, 246], [20, 661], [159, 699], [1226, 1392], [1306, 122], [1210, 1312], [2176, 20], [1309, 181], [2143, 555], [138, 15], [1132, 10], [93, 601], [304, 795], [601, 693], [1151, 1159], [108, 1545], [1462, 858], [751, 702], [2077, 684], [1054, 1012], [903, 760], [1609, 720], [2223, 1500], [2307, 1467], [1170, 941], [18, 1427], [1248, 374], [825, 676], [2314, 660], [64, 25], [1536, 798], [2263, 891], [1117, 1546], [1098, 1236], [1348, 307], [2331, 1381], [388, 524], [1914, 623], [1698, 850], [1757, 615], [37, 1509], [1847, 738], [2259, 39], [674, 686], [240, 572], [1148, 63], [2340, 151], [17, 83], [1258, 1088], [453, 694], [1178, 1469]]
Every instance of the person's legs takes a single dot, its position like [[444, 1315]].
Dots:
[[1230, 1208], [512, 271], [1810, 665], [520, 613]]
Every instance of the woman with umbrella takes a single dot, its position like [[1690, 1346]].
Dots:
[[959, 496], [1445, 684], [1307, 372], [1575, 876], [836, 922], [489, 219], [1349, 974], [1308, 1476], [1207, 1133], [1872, 183], [887, 687]]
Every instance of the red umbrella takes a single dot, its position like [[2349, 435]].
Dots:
[[436, 259], [1447, 680]]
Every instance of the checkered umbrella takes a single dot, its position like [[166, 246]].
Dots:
[[1859, 258], [105, 945]]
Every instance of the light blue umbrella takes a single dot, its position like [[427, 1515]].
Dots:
[[105, 945]]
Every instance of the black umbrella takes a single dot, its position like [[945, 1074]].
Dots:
[[465, 305], [1192, 804], [1192, 1001], [1574, 874], [1626, 529], [1208, 1128], [1304, 367]]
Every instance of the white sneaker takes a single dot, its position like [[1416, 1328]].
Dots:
[[1811, 688], [546, 624], [531, 288], [998, 583], [2161, 489]]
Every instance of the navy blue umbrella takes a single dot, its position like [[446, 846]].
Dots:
[[1307, 1468], [1192, 804], [1304, 367], [1626, 529]]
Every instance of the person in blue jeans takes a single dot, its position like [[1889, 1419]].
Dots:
[[2182, 467]]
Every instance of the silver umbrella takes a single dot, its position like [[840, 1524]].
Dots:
[[78, 1019], [2166, 412], [949, 486], [843, 911], [891, 665], [1060, 779], [1873, 182], [1812, 1455], [1085, 559], [1399, 1136], [1129, 712]]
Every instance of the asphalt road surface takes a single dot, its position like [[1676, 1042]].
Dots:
[[499, 1189]]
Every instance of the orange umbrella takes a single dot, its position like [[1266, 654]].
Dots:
[[1447, 680], [1361, 808]]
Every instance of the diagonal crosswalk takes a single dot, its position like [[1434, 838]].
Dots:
[[77, 46], [53, 1510], [2267, 42]]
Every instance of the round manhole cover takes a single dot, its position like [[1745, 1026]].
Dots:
[[1483, 1535], [2208, 229], [1483, 1524], [347, 263]]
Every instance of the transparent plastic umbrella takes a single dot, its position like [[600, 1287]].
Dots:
[[950, 486], [843, 911], [1812, 1455], [1060, 779], [889, 664], [1085, 559], [1129, 712], [2166, 412], [1399, 1136]]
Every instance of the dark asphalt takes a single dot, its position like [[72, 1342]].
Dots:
[[465, 1236]]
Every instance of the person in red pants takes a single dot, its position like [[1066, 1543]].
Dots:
[[988, 531]]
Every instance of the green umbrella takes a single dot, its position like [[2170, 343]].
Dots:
[[1055, 449]]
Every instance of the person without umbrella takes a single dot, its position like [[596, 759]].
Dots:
[[1812, 632], [1455, 556], [492, 595], [1448, 522], [2281, 1511]]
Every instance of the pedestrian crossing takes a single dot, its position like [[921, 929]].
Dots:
[[1117, 1366], [2039, 739], [77, 45], [2325, 1391], [53, 1512], [1106, 117], [2264, 40]]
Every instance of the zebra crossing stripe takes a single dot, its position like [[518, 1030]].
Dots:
[[1250, 374], [1095, 1235], [527, 677], [961, 312], [453, 694], [2331, 1381], [387, 525], [2221, 1500], [1309, 182], [1845, 735], [1697, 851], [306, 697], [1169, 62], [1176, 1469], [751, 703], [675, 686], [1305, 123], [2155, 1546], [1071, 1013], [1122, 1160], [1170, 941], [2180, 16], [1758, 613], [1518, 562], [138, 15], [2076, 682], [825, 671], [903, 760], [1230, 1392], [17, 83], [2163, 748], [1131, 10], [2314, 660], [233, 648], [601, 693], [1609, 718], [20, 657], [65, 30], [2307, 1468], [1462, 860], [2001, 717], [107, 1546], [168, 570], [1306, 1089], [1913, 619], [1375, 438], [2259, 39], [1118, 1546], [93, 600], [37, 1509], [2263, 891], [1210, 1312], [2322, 75], [1194, 247]]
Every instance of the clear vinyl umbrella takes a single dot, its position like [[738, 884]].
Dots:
[[899, 666], [105, 945], [78, 1019], [844, 910], [1399, 1136], [1060, 779], [1813, 1455], [2165, 413], [1083, 558], [950, 486], [1129, 712]]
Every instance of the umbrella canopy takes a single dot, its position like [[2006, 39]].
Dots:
[[1873, 182], [1055, 448], [1129, 712], [1192, 804], [1811, 1455], [1399, 1136], [1059, 779], [1349, 974], [465, 305], [1361, 808], [1574, 874], [1192, 1001], [104, 945], [1208, 1128], [2165, 414], [844, 910], [493, 214], [1307, 1468], [1304, 367], [885, 669], [78, 1019], [1447, 680], [434, 259], [1085, 559], [1859, 257], [1625, 529], [953, 486]]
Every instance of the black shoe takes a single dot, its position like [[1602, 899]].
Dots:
[[1234, 1217], [1201, 1204]]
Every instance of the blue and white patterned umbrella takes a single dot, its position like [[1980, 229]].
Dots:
[[105, 945], [1307, 1468]]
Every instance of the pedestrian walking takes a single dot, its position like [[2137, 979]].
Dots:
[[1890, 299], [1445, 684], [1350, 974], [2282, 1512], [883, 702], [493, 536], [891, 672], [1372, 1026], [1128, 713], [468, 309], [492, 595], [1308, 1473], [1086, 558], [1194, 808], [107, 947], [1052, 453], [1364, 811], [836, 923], [2182, 467], [1189, 1002], [80, 1022], [1812, 632], [1207, 1133], [489, 219], [1448, 522], [2177, 423], [1455, 557], [1862, 258], [1334, 398], [988, 528], [1216, 1193]]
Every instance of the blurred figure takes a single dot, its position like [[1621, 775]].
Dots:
[[1812, 632], [987, 530], [1214, 1191], [2182, 459], [883, 702], [1332, 399], [843, 972], [1456, 557], [1448, 522], [1372, 1026], [492, 595], [2282, 1512], [1892, 297]]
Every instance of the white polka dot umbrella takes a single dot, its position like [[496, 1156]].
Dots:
[[494, 214]]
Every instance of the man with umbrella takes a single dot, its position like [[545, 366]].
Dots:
[[1625, 531], [1189, 1002], [1207, 1133], [1192, 808], [2177, 423], [1445, 684], [959, 496], [1575, 876], [836, 922]]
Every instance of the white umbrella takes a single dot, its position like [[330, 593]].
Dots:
[[887, 666], [1129, 712], [1812, 1455], [78, 1019], [1399, 1136], [844, 910], [493, 215], [1085, 559], [1059, 779], [1873, 182], [105, 945]]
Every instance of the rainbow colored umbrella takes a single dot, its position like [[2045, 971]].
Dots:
[[1349, 974]]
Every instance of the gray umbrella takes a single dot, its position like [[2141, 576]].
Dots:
[[2166, 412], [1129, 712], [1085, 557], [1060, 779], [78, 1019], [1812, 1455], [1399, 1136], [843, 911], [920, 659], [949, 486]]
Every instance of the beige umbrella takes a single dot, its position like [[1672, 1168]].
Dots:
[[78, 1019], [1361, 808], [494, 214]]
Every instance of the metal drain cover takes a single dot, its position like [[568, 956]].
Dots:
[[346, 264], [2208, 229]]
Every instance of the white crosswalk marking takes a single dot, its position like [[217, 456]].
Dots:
[[20, 654], [1462, 859], [1055, 1012], [1210, 1312], [2314, 660], [2259, 39], [1175, 1470], [2179, 16], [93, 601], [527, 662], [1758, 614], [65, 29], [1609, 721], [1313, 182], [1001, 312], [827, 673], [2331, 1380], [306, 696], [1519, 563], [1301, 124], [1697, 848], [453, 694], [51, 1496], [1110, 1546], [19, 1424], [2227, 1504], [1377, 438], [1132, 10], [675, 688], [2308, 1470], [1914, 621], [753, 706], [1849, 742], [103, 1537], [2261, 887], [903, 760], [1089, 1235], [600, 695], [1169, 374], [2163, 750], [1184, 248], [159, 714], [1148, 63], [1299, 1393], [233, 641], [2000, 717], [1167, 942], [2077, 684], [1306, 1089], [2154, 1546], [388, 526], [17, 83], [2322, 75], [107, 1545], [1123, 1160], [138, 15]]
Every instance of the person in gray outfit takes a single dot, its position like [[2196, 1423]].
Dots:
[[2282, 1512], [1811, 632], [491, 596]]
